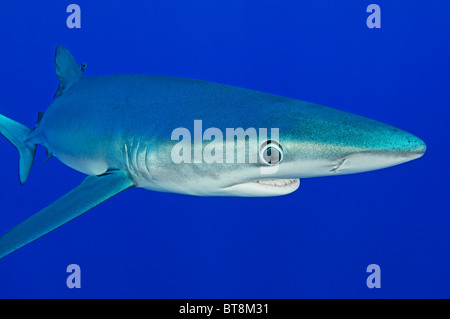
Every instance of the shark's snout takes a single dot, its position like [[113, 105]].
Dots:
[[386, 150], [399, 143], [327, 141], [413, 146]]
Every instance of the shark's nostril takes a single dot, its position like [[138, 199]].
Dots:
[[336, 168]]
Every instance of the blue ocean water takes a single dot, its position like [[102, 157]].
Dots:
[[314, 243]]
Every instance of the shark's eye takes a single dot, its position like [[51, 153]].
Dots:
[[271, 153]]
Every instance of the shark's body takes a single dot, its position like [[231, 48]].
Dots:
[[118, 129]]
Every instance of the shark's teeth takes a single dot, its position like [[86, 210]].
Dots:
[[277, 182]]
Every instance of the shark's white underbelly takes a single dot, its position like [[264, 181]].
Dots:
[[93, 165]]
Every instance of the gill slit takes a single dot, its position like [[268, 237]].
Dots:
[[146, 160]]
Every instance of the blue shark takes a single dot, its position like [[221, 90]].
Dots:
[[117, 129]]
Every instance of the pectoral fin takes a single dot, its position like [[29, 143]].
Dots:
[[91, 192]]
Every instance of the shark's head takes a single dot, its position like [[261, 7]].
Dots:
[[312, 141]]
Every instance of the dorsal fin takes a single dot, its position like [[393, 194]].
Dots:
[[67, 70]]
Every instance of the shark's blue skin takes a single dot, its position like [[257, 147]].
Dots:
[[117, 129]]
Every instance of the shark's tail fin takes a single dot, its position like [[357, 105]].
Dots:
[[18, 134]]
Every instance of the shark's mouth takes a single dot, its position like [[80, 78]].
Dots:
[[264, 187]]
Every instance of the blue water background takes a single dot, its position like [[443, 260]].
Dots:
[[316, 242]]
